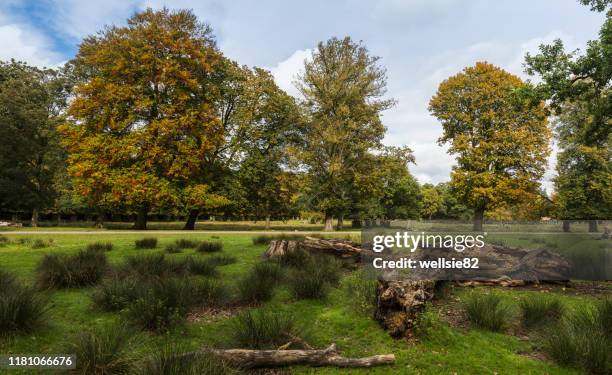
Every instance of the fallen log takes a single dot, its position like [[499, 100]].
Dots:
[[250, 358], [336, 247]]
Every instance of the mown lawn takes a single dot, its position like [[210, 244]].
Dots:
[[448, 349]]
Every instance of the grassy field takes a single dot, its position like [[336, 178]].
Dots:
[[448, 347]]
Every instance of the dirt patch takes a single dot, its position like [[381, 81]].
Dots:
[[209, 314]]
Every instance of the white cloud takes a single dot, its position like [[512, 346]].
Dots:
[[286, 72], [22, 43]]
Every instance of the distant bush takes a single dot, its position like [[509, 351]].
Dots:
[[488, 311], [209, 247], [583, 338], [173, 248], [169, 360], [69, 271], [163, 305], [104, 350], [222, 260], [115, 294], [100, 246], [41, 244], [146, 243], [186, 244], [22, 309], [263, 329], [540, 308]]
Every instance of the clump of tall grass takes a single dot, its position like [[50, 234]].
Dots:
[[203, 267], [296, 258], [173, 248], [540, 308], [488, 311], [263, 329], [172, 360], [360, 288], [315, 277], [583, 338], [209, 246], [222, 260], [41, 244], [210, 292], [115, 294], [146, 243], [22, 309], [164, 304], [70, 271], [4, 240], [184, 243], [104, 350], [259, 283], [99, 246]]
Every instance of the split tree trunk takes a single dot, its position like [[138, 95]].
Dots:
[[593, 226], [329, 225], [141, 218], [339, 248], [191, 220], [34, 220], [248, 358]]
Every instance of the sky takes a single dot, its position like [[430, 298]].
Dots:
[[420, 42]]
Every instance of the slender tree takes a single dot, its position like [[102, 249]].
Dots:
[[343, 86], [499, 134], [143, 117]]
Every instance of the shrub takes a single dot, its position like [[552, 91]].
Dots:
[[209, 247], [539, 308], [115, 293], [582, 340], [21, 308], [146, 243], [186, 244], [488, 311], [69, 271], [262, 329], [222, 260], [163, 305], [173, 248], [170, 360], [41, 244], [103, 350], [360, 288], [100, 246], [199, 266]]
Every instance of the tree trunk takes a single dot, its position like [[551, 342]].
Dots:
[[340, 221], [478, 219], [593, 226], [267, 227], [141, 218], [329, 225], [566, 225], [248, 358], [34, 221], [191, 220]]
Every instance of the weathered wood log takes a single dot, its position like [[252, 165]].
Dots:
[[339, 248], [248, 358]]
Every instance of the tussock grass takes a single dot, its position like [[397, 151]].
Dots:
[[209, 247], [183, 243], [146, 243], [104, 350], [41, 244], [263, 329], [115, 294], [71, 271], [222, 260], [203, 267], [173, 249], [170, 360], [259, 283], [360, 289], [540, 308], [22, 309], [487, 311], [583, 338], [210, 292], [100, 246]]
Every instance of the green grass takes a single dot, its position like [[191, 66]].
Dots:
[[447, 349]]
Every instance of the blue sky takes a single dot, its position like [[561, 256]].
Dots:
[[421, 42]]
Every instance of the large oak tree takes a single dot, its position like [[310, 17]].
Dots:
[[498, 133], [143, 116]]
